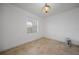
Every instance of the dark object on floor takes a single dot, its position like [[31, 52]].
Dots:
[[69, 43]]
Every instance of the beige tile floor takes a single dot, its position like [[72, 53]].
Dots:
[[43, 46]]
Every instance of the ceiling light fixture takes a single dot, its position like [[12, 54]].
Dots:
[[46, 8]]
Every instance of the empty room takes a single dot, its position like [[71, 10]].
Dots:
[[39, 28]]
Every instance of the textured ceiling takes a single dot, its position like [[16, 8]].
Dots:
[[56, 8]]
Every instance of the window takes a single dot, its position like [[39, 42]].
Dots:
[[31, 25]]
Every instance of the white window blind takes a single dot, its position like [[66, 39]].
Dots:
[[31, 24]]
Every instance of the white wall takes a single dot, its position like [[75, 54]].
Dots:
[[1, 27], [14, 27], [64, 25]]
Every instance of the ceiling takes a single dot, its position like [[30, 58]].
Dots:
[[56, 8]]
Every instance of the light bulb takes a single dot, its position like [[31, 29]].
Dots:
[[45, 9]]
